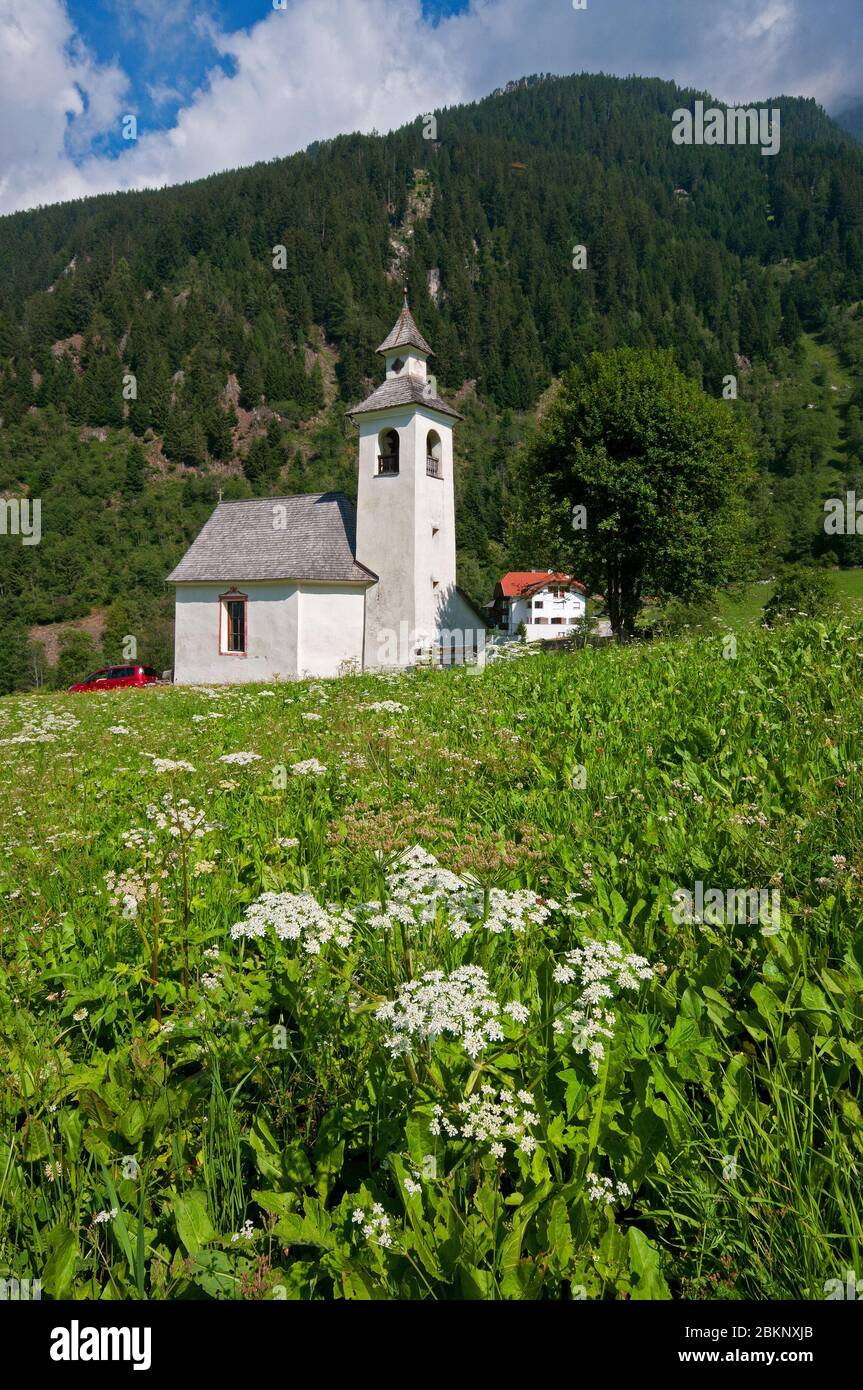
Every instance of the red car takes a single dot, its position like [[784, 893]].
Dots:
[[113, 677]]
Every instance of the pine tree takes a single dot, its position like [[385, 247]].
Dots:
[[136, 469]]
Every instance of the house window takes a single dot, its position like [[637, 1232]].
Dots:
[[233, 624], [538, 603], [399, 364]]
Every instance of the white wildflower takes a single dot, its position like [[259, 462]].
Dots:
[[606, 1190], [310, 767], [517, 1011], [375, 1227], [460, 1005], [602, 970], [297, 917], [171, 765], [102, 1216]]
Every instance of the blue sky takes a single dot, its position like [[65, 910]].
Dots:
[[167, 53], [223, 83]]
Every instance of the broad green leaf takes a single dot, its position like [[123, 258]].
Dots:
[[193, 1222], [644, 1264], [59, 1269]]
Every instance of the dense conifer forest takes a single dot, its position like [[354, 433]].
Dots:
[[157, 347]]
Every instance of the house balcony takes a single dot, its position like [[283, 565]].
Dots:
[[388, 464], [433, 468]]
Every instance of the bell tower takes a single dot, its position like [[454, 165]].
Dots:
[[406, 504]]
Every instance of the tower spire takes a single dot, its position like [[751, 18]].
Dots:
[[405, 333]]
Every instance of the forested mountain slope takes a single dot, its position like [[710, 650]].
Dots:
[[742, 264]]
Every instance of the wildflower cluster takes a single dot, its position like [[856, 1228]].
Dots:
[[310, 767], [601, 970], [43, 729], [296, 917], [375, 1225], [179, 818], [751, 815], [460, 1005], [606, 1190], [492, 1117], [128, 890], [419, 888], [841, 872]]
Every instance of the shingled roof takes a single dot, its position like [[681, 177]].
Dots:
[[404, 390], [405, 334], [241, 542]]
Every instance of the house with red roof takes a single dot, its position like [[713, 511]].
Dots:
[[548, 603]]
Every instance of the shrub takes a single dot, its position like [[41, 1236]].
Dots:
[[799, 593]]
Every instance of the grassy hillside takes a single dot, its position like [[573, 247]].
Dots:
[[744, 605], [273, 1111]]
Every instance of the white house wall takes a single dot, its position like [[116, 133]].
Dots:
[[291, 630], [332, 618], [521, 610]]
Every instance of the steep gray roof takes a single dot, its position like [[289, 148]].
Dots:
[[240, 542], [405, 334], [404, 390]]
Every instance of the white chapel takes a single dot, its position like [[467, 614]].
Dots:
[[278, 588]]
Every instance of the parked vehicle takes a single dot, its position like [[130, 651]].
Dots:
[[115, 677]]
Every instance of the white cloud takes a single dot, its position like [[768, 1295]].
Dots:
[[321, 67], [161, 93], [52, 91], [160, 24]]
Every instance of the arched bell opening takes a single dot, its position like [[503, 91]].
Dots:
[[434, 460], [388, 452]]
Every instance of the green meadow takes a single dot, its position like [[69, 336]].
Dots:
[[380, 987]]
